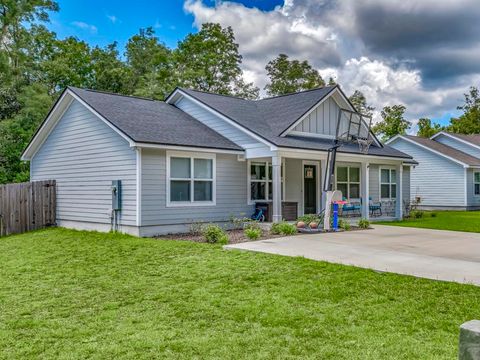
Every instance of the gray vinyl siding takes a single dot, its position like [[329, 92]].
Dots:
[[231, 192], [457, 144], [293, 182], [84, 155], [374, 182], [218, 124], [472, 199], [437, 180]]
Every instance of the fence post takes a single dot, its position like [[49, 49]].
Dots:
[[469, 343]]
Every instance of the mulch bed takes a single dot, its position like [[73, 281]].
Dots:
[[235, 236]]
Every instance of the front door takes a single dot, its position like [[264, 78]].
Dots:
[[309, 189]]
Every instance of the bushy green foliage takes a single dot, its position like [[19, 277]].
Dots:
[[253, 233], [307, 219], [363, 224], [283, 228], [345, 225], [416, 214], [214, 234]]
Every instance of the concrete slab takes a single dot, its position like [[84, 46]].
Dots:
[[432, 254]]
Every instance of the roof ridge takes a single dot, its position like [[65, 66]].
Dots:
[[114, 94], [212, 93], [444, 145], [298, 92]]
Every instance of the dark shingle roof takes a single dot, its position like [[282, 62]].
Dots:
[[473, 139], [155, 122], [270, 117], [446, 150]]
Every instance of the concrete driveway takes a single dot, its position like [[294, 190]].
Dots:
[[432, 254]]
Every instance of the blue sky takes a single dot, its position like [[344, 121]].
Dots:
[[409, 58], [102, 22]]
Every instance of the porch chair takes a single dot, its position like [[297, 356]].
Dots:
[[350, 209], [375, 208]]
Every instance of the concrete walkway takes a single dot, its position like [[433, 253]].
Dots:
[[432, 254]]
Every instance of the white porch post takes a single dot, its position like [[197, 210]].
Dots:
[[399, 203], [365, 180], [323, 166], [276, 188]]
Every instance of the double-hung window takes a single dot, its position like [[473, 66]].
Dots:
[[348, 181], [388, 183], [476, 183], [190, 179], [261, 185]]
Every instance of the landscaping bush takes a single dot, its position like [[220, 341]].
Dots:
[[214, 234], [364, 224], [345, 225], [253, 233], [416, 214], [307, 219], [196, 228], [283, 228]]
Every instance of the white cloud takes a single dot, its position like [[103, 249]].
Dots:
[[326, 34], [84, 26], [112, 18]]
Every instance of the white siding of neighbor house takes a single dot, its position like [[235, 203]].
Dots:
[[472, 199], [231, 192], [84, 155], [438, 181], [459, 145]]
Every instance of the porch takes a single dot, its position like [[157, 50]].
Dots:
[[373, 186]]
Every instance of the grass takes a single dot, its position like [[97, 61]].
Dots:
[[443, 220], [68, 294]]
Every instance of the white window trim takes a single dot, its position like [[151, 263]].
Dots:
[[267, 186], [192, 156], [392, 181], [475, 183], [348, 182]]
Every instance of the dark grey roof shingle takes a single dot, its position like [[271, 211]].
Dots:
[[154, 122], [270, 117], [446, 150]]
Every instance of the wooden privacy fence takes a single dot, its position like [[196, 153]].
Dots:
[[27, 206]]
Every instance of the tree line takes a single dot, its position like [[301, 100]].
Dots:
[[35, 67]]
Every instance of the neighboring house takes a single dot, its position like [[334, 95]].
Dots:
[[201, 157], [448, 172]]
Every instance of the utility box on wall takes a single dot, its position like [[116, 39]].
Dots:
[[116, 194]]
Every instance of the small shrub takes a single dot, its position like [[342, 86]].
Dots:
[[345, 225], [307, 219], [253, 233], [364, 224], [214, 234], [196, 228], [285, 228], [238, 223], [416, 214], [275, 229], [433, 214]]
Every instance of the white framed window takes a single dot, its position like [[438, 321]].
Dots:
[[348, 181], [388, 183], [191, 179], [476, 183], [260, 184]]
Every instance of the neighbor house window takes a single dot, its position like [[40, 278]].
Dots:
[[261, 184], [476, 183], [348, 181], [190, 179], [388, 183]]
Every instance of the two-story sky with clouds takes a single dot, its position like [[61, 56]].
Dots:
[[421, 53]]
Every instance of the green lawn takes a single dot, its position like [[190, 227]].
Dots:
[[67, 294], [444, 220]]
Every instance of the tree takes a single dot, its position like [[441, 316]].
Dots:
[[393, 123], [290, 76], [469, 121], [331, 81], [359, 101], [427, 129], [209, 61]]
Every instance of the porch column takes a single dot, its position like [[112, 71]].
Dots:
[[365, 183], [276, 188], [399, 203], [323, 166]]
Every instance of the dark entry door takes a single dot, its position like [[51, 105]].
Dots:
[[310, 189]]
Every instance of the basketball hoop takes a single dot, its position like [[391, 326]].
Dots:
[[364, 144]]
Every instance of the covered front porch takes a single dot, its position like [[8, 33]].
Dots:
[[373, 186]]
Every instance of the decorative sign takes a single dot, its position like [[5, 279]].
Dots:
[[308, 173]]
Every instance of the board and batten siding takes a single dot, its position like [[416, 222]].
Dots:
[[438, 181], [459, 145], [84, 155], [231, 192], [321, 120]]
